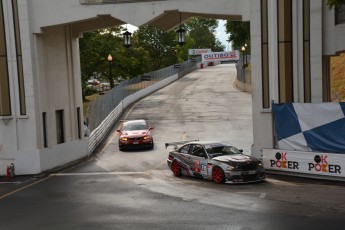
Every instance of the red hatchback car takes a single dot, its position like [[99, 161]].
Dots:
[[135, 133]]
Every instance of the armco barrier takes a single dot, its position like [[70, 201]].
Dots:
[[98, 134]]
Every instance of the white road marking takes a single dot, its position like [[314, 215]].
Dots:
[[98, 173]]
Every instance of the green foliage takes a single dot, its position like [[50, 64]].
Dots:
[[334, 3], [201, 34], [87, 91], [239, 34], [151, 49], [94, 49], [160, 46]]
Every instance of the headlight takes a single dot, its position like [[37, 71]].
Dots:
[[231, 167], [260, 165], [124, 139], [147, 137]]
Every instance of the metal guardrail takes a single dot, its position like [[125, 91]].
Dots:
[[241, 73], [105, 110]]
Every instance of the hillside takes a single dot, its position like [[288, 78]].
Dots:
[[338, 78]]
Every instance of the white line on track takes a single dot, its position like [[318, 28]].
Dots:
[[98, 173]]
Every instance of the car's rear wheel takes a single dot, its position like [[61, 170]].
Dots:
[[218, 175], [176, 169]]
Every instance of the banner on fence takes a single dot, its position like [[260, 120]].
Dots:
[[221, 56], [199, 51]]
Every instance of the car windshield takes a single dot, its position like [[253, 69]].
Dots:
[[221, 150], [134, 126]]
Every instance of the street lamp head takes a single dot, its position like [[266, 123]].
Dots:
[[127, 39], [243, 48], [110, 58], [180, 36]]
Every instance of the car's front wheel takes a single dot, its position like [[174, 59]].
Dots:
[[176, 169], [218, 175], [152, 145]]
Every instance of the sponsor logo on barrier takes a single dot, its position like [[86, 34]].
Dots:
[[221, 56], [198, 51], [282, 162], [320, 164]]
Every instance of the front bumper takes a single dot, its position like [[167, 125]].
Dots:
[[136, 144], [245, 176]]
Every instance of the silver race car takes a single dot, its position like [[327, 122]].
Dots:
[[213, 160]]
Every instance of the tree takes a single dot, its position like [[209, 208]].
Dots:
[[94, 49], [239, 34], [160, 46], [151, 49], [202, 31], [334, 3]]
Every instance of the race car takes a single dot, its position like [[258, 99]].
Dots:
[[214, 160], [135, 133]]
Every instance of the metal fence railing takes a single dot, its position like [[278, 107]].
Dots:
[[243, 73], [102, 106]]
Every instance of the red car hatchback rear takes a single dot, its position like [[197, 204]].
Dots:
[[134, 134]]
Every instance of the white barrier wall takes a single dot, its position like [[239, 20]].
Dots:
[[313, 163], [101, 131]]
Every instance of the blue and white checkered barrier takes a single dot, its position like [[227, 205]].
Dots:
[[310, 127]]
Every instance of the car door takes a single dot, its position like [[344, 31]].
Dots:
[[197, 160], [184, 158]]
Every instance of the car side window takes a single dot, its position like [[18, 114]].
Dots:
[[184, 149], [198, 151]]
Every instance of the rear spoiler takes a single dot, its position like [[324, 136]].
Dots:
[[175, 144]]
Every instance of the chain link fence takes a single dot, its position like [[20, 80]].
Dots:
[[101, 107]]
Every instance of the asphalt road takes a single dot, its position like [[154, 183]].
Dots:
[[136, 190]]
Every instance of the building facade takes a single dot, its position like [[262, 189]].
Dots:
[[40, 86], [292, 57]]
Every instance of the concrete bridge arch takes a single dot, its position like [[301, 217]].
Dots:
[[41, 43]]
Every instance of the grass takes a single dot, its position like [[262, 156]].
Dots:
[[87, 102]]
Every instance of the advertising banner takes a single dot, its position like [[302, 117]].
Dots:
[[221, 56], [310, 127], [325, 164], [198, 51]]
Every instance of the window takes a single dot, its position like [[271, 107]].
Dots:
[[339, 14], [60, 133], [264, 53], [44, 121], [285, 74], [306, 51], [78, 123], [184, 149], [5, 101], [19, 58], [198, 151]]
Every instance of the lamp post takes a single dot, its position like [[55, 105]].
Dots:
[[180, 34], [110, 60], [246, 58], [243, 49]]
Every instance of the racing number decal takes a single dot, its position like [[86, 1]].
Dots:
[[200, 167], [203, 169], [196, 166]]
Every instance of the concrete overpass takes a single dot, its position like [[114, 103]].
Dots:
[[41, 104]]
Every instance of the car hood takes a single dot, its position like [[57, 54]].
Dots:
[[234, 158], [135, 133]]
